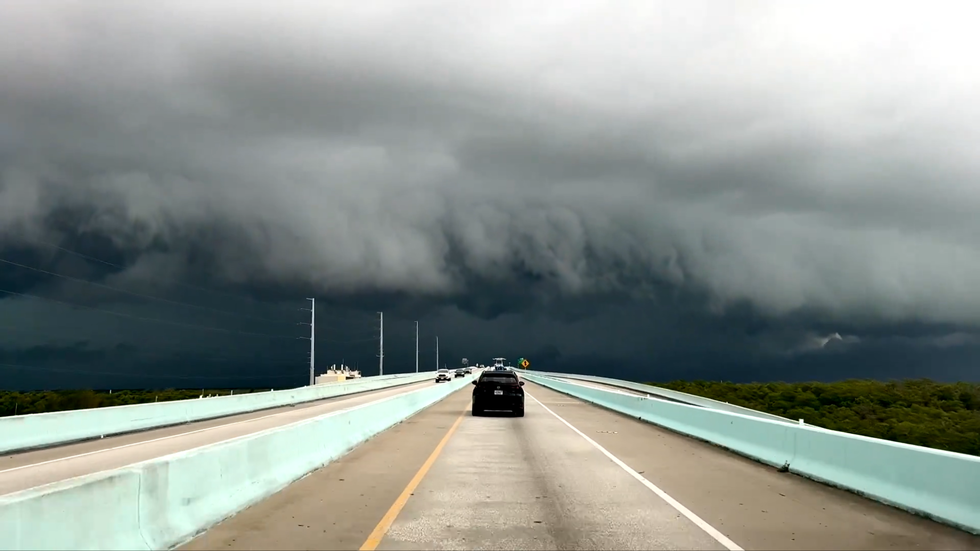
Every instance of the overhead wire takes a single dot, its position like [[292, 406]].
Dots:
[[153, 277], [143, 318], [144, 375], [141, 295], [205, 357], [332, 325], [330, 322]]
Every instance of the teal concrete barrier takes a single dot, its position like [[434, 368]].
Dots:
[[23, 432], [770, 442], [91, 512], [941, 485], [668, 394], [165, 502]]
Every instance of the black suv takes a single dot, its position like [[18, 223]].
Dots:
[[498, 390]]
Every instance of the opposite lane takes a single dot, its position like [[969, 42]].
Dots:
[[35, 468]]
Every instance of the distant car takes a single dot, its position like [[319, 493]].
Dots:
[[498, 390], [460, 373], [442, 375], [468, 370]]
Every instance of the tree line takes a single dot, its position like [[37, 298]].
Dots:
[[922, 412]]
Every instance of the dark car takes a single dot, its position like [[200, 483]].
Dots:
[[498, 391], [460, 373]]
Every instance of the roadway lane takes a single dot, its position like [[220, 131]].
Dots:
[[589, 479], [35, 468]]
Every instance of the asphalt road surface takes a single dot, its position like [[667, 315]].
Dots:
[[20, 471], [568, 475]]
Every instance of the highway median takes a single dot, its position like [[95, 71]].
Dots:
[[40, 430], [165, 502]]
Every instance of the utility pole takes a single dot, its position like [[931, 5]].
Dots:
[[437, 352], [381, 346], [312, 311], [416, 347]]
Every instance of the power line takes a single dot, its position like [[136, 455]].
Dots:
[[101, 330], [141, 318], [343, 325], [176, 358], [204, 356], [347, 341], [157, 278], [353, 330], [135, 294], [151, 376]]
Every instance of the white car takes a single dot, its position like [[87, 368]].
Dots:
[[443, 375]]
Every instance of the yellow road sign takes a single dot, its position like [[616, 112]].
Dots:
[[525, 363]]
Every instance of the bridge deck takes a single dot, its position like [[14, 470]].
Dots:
[[536, 483]]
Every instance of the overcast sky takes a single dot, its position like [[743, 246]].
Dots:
[[738, 190]]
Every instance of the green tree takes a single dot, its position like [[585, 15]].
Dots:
[[920, 412]]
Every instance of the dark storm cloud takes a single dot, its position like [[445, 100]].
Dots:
[[759, 176]]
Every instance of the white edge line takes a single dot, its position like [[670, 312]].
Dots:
[[709, 529], [142, 442]]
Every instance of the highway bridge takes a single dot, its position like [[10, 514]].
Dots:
[[400, 463]]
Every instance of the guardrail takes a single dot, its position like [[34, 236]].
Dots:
[[937, 484], [164, 502], [39, 430], [668, 394]]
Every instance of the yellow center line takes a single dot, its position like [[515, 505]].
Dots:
[[384, 525]]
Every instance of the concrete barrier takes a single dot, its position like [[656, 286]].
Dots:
[[668, 394], [38, 430], [90, 512], [937, 484], [165, 502], [770, 442]]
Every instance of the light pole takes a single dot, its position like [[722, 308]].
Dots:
[[312, 311], [381, 346], [416, 347]]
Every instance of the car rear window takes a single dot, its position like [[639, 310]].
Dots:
[[499, 379]]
